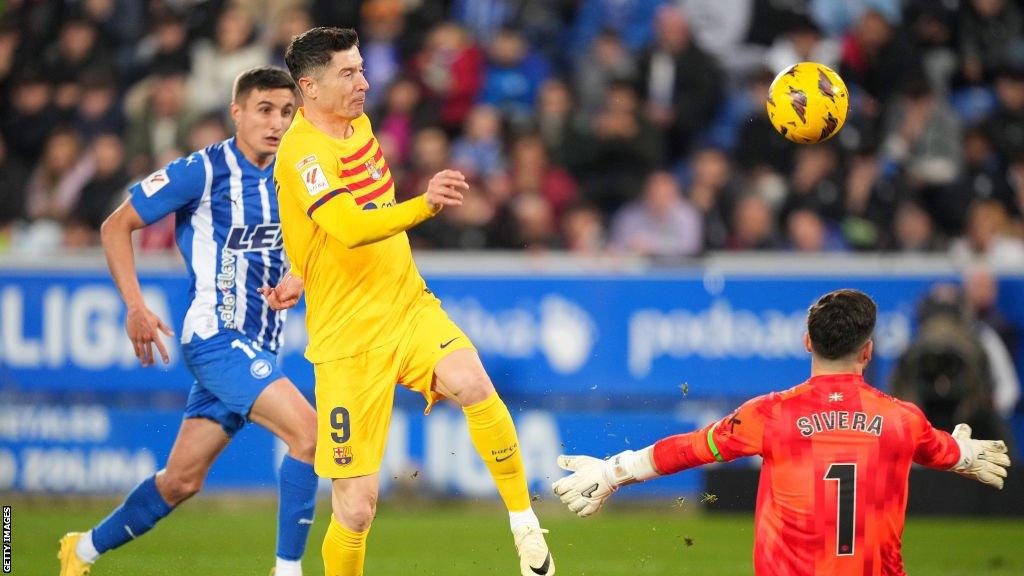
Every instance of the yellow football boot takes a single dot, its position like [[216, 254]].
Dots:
[[70, 563]]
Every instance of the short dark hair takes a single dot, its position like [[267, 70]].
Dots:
[[840, 322], [261, 78], [314, 48]]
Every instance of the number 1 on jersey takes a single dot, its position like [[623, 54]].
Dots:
[[846, 505], [239, 345]]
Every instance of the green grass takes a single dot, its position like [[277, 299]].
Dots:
[[236, 536]]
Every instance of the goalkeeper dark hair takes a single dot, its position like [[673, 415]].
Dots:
[[840, 322], [310, 51], [261, 78]]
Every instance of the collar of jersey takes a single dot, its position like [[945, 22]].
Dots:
[[836, 378], [241, 158]]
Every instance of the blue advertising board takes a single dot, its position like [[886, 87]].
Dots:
[[569, 352]]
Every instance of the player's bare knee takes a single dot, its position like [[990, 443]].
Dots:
[[176, 488], [358, 511], [474, 388]]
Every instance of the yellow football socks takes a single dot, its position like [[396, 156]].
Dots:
[[343, 550], [494, 436]]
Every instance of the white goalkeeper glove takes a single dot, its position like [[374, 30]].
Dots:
[[593, 480], [982, 460]]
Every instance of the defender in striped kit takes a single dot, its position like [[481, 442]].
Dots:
[[229, 232]]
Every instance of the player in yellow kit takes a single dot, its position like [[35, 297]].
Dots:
[[372, 322]]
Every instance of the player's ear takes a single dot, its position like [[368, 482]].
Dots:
[[308, 87], [236, 112], [867, 351], [807, 343]]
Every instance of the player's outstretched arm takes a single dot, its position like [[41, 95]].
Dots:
[[353, 226], [983, 460], [142, 325], [286, 294], [593, 480]]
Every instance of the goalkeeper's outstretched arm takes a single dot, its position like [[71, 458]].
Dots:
[[593, 480]]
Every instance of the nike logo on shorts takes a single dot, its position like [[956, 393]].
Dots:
[[445, 345]]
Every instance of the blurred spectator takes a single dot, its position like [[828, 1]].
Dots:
[[982, 176], [723, 28], [753, 225], [540, 21], [807, 232], [996, 335], [513, 76], [57, 180], [13, 176], [875, 57], [216, 63], [290, 23], [759, 145], [160, 125], [945, 370], [836, 17], [100, 195], [987, 239], [922, 135], [207, 131], [932, 25], [914, 231], [12, 51], [479, 153], [583, 227], [662, 223], [163, 48], [802, 42], [712, 191], [560, 124], [533, 173], [461, 229], [77, 49], [29, 118], [990, 30], [403, 113], [605, 62], [1006, 126], [621, 150], [632, 20], [429, 156], [383, 23], [817, 183], [119, 22], [682, 84], [535, 223], [450, 70], [98, 110]]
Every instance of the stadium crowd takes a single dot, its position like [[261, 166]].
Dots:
[[587, 125]]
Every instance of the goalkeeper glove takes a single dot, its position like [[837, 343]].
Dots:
[[593, 480], [982, 460]]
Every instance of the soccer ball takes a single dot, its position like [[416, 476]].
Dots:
[[807, 103]]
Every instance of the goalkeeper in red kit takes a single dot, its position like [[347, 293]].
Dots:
[[837, 453]]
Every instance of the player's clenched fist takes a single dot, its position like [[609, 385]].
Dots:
[[446, 189], [286, 294]]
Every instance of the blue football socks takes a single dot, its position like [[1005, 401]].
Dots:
[[297, 483], [139, 512]]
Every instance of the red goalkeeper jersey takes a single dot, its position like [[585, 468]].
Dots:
[[833, 486]]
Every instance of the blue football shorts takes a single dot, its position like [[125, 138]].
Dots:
[[230, 371]]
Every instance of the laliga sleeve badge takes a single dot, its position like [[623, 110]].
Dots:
[[154, 182], [315, 179]]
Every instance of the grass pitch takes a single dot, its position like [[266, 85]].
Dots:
[[235, 536]]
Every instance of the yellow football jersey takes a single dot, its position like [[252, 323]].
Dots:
[[344, 235]]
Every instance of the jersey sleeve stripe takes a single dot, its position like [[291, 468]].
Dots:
[[711, 443], [359, 154], [323, 199], [384, 171], [384, 187], [359, 169]]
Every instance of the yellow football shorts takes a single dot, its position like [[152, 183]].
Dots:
[[355, 395]]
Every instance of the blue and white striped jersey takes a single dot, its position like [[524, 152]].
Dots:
[[229, 231]]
